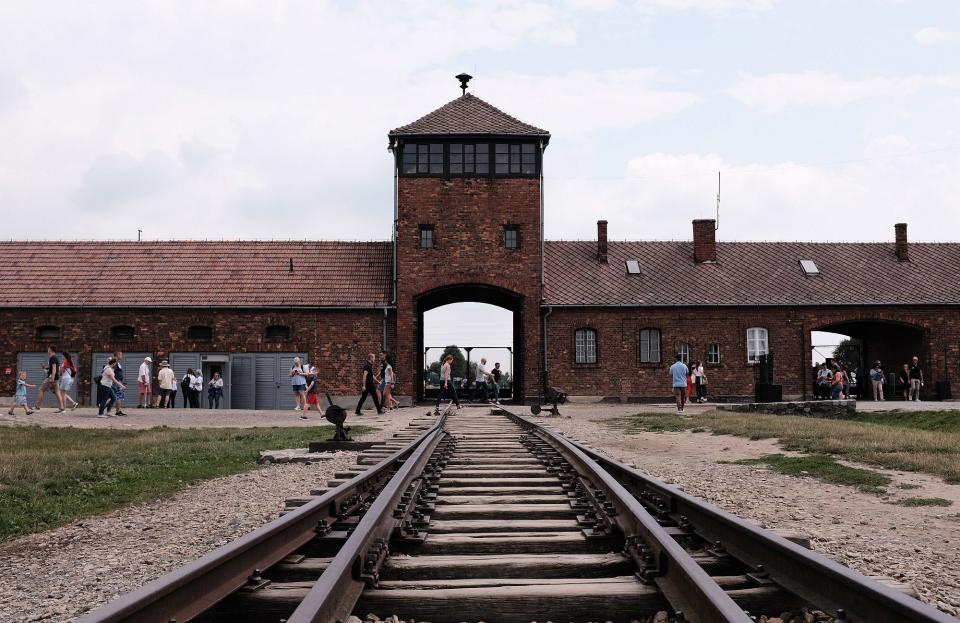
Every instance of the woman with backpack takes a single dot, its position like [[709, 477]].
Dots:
[[185, 388]]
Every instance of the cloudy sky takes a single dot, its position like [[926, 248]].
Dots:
[[827, 119]]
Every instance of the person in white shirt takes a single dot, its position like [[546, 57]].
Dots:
[[480, 378], [143, 383], [214, 391], [168, 384], [196, 389], [698, 379]]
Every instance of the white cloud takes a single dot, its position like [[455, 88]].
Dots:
[[662, 192], [707, 6], [775, 92], [932, 35]]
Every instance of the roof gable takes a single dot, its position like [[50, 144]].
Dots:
[[468, 114]]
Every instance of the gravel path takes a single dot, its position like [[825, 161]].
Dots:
[[919, 546], [59, 574]]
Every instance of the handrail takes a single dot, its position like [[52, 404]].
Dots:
[[193, 588]]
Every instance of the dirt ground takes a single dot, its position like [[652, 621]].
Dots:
[[917, 545]]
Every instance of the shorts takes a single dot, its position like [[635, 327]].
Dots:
[[20, 401], [383, 385], [836, 391], [66, 382], [145, 388], [313, 399], [166, 392], [299, 388], [118, 394], [49, 384]]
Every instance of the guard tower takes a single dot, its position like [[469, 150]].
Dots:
[[469, 226]]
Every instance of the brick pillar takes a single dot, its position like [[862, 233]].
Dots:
[[704, 240], [901, 238], [602, 241]]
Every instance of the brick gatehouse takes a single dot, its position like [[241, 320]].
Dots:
[[598, 318]]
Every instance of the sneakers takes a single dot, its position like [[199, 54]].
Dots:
[[74, 406], [297, 408], [121, 414], [59, 410], [102, 415], [303, 417]]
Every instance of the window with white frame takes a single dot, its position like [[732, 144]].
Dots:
[[757, 344], [713, 353], [586, 346], [650, 346], [683, 349]]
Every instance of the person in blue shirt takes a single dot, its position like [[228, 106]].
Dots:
[[679, 373]]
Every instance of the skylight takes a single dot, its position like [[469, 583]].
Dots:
[[633, 267], [809, 268]]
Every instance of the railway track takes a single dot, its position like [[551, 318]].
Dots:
[[480, 516]]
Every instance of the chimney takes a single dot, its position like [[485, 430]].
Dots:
[[602, 241], [901, 230], [704, 240]]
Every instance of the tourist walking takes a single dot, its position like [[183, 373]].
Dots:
[[196, 389], [144, 384], [20, 395], [837, 383], [167, 381], [368, 385], [698, 382], [107, 387], [389, 381], [298, 381], [916, 379], [68, 377], [49, 384], [214, 391], [446, 383], [495, 374], [904, 378], [185, 384], [876, 380], [480, 381], [119, 395], [678, 376], [313, 391]]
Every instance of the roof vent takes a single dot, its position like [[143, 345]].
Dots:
[[809, 268], [464, 78], [633, 267]]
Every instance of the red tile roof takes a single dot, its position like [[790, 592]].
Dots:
[[189, 273], [751, 273], [468, 114]]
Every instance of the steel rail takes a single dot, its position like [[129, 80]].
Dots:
[[334, 595], [193, 588], [683, 581], [815, 578]]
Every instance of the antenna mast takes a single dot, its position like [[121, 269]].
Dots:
[[717, 222]]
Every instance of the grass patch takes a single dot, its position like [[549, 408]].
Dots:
[[907, 485], [914, 442], [51, 476], [924, 502], [822, 467]]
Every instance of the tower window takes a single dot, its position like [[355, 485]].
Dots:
[[511, 237], [423, 159], [426, 236], [466, 159], [515, 159]]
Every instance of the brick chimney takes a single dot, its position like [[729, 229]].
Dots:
[[901, 236], [602, 241], [704, 240]]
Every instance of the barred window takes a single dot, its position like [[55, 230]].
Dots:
[[426, 236], [650, 346], [586, 346], [713, 353], [757, 343]]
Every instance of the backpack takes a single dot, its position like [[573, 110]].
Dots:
[[185, 383]]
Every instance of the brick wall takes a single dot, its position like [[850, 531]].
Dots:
[[337, 341], [469, 216], [892, 334]]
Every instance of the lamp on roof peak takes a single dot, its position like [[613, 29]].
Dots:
[[464, 78]]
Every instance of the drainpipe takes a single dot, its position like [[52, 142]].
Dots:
[[546, 387], [385, 330], [542, 148], [396, 192]]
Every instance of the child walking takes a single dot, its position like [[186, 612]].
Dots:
[[20, 397]]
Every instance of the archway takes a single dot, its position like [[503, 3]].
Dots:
[[891, 343], [473, 293]]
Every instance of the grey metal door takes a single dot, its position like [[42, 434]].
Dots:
[[272, 385], [34, 365], [241, 382], [131, 368], [179, 362]]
